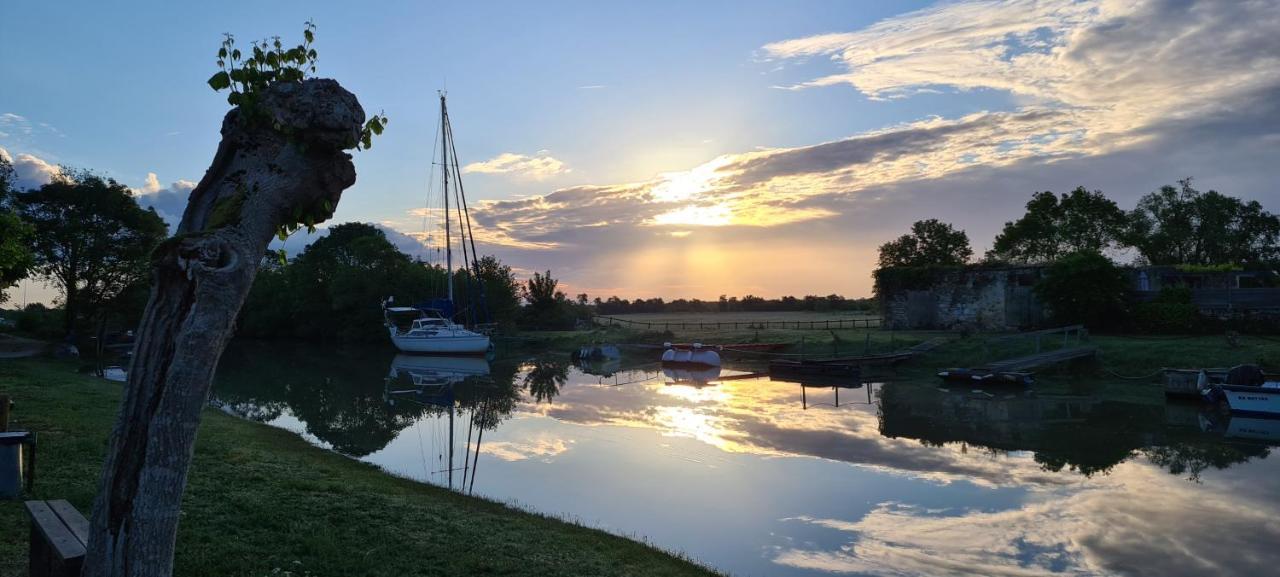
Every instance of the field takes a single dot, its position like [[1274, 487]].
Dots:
[[742, 317]]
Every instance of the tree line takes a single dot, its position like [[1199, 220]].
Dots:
[[1078, 236], [749, 303], [1175, 225], [87, 235]]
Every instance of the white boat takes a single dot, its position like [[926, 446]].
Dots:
[[431, 333], [1249, 392], [1259, 400], [431, 329]]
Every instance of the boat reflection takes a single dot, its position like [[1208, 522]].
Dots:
[[432, 377], [451, 389]]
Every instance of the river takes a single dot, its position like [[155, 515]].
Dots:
[[761, 477]]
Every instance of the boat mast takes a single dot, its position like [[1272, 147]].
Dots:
[[444, 161]]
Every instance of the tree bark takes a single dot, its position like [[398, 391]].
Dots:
[[271, 167]]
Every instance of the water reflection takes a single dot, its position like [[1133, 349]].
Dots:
[[757, 476], [1087, 434]]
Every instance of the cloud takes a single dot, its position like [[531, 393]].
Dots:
[[1119, 96], [170, 202], [539, 166], [29, 171], [1122, 67], [21, 128]]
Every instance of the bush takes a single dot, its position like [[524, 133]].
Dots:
[[40, 321], [1167, 317], [1085, 288], [1171, 312]]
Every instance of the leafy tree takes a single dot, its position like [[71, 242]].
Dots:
[[16, 259], [546, 307], [1085, 288], [1055, 226], [1182, 225], [501, 289], [90, 237], [931, 243]]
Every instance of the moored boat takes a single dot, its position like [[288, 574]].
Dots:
[[431, 328], [431, 333], [1245, 389]]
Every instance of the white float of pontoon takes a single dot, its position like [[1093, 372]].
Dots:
[[689, 375], [695, 355]]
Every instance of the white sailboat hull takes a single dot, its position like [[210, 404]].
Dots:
[[472, 344]]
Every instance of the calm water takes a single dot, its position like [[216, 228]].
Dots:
[[758, 477]]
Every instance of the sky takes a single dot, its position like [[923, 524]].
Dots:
[[684, 149]]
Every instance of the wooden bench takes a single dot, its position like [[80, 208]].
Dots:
[[58, 537]]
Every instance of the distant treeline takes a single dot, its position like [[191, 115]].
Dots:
[[750, 303]]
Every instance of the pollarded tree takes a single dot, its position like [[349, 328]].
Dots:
[[1055, 226], [281, 165], [931, 243], [90, 238], [1182, 225]]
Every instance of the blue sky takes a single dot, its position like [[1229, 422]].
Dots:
[[686, 148]]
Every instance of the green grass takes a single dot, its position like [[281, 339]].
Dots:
[[262, 501]]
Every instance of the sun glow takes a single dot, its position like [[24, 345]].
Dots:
[[713, 215], [688, 184]]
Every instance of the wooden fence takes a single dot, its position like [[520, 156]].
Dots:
[[822, 325]]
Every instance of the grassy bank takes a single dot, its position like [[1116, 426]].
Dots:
[[262, 501]]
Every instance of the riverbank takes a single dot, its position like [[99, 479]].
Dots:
[[263, 501]]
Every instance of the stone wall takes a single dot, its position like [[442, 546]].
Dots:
[[986, 299]]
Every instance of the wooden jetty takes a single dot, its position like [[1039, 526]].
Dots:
[[1017, 370], [1037, 360]]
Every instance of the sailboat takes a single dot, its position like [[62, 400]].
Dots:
[[430, 327]]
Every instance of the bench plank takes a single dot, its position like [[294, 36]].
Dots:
[[76, 522], [62, 541]]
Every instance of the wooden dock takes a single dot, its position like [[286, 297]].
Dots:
[[882, 358], [1033, 361]]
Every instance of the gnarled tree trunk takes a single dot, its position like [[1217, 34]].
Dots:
[[284, 161]]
